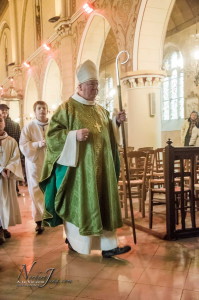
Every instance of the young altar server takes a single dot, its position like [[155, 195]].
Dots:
[[10, 171], [33, 145]]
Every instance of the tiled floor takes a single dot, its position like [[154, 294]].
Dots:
[[154, 269]]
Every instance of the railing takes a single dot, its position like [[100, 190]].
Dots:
[[181, 208]]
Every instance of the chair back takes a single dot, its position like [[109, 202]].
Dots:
[[189, 226], [137, 162], [158, 166], [145, 149]]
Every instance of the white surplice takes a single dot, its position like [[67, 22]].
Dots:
[[31, 136], [9, 159]]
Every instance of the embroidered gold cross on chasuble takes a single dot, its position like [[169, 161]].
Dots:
[[98, 127]]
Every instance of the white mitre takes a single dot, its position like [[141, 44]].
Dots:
[[87, 71]]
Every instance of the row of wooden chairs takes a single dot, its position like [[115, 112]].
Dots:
[[142, 166], [147, 173], [156, 192]]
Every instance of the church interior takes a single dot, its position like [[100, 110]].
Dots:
[[41, 45]]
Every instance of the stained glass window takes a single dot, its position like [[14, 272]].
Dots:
[[173, 88]]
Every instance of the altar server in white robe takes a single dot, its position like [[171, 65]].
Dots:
[[10, 171], [33, 145]]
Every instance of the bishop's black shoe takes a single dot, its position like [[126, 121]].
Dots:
[[115, 251], [69, 245], [2, 238], [39, 228], [7, 234]]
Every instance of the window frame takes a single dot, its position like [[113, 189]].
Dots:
[[171, 124]]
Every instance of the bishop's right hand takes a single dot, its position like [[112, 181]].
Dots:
[[82, 134]]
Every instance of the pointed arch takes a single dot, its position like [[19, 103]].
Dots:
[[94, 37], [150, 34], [3, 26], [31, 96], [52, 86]]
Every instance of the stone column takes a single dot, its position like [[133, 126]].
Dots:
[[63, 9], [14, 31], [68, 8], [143, 107]]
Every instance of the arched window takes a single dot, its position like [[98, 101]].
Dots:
[[173, 88], [106, 95]]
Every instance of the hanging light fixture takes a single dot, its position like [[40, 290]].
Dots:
[[88, 8], [26, 64], [46, 47]]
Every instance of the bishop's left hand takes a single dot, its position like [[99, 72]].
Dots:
[[121, 117]]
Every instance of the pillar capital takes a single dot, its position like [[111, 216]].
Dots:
[[143, 79]]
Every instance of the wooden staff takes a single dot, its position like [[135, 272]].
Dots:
[[124, 141]]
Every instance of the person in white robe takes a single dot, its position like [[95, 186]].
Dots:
[[32, 144], [10, 171]]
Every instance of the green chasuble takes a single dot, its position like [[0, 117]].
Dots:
[[85, 195]]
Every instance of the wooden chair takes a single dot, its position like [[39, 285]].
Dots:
[[158, 167], [196, 182], [157, 189], [129, 149], [157, 184], [150, 164], [122, 188], [186, 205], [137, 162], [145, 149]]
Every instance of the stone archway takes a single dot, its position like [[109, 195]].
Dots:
[[31, 96], [147, 53], [93, 39], [3, 26], [5, 49], [52, 86], [144, 81], [97, 40], [150, 34]]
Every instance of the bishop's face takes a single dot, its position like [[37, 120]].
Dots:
[[88, 90]]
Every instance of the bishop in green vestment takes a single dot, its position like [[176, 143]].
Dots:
[[81, 168]]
